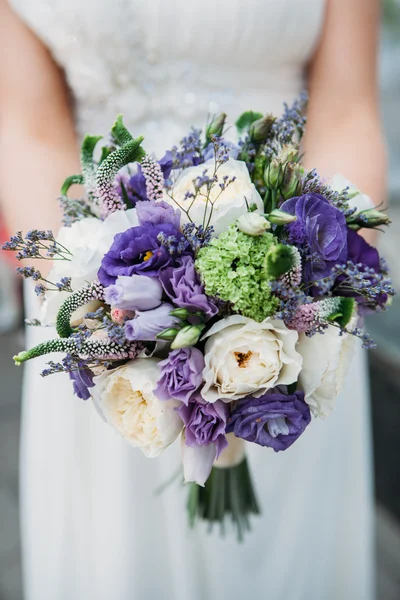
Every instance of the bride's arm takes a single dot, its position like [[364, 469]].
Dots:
[[344, 132], [37, 140]]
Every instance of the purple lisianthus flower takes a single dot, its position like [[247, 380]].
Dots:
[[205, 423], [321, 230], [275, 420], [181, 374], [82, 380], [363, 254], [157, 212], [137, 250], [183, 286], [147, 324], [136, 292]]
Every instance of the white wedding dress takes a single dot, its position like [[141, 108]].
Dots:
[[92, 528]]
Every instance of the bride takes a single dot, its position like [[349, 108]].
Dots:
[[92, 527]]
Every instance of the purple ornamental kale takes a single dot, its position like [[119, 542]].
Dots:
[[182, 284], [181, 374], [275, 420], [205, 422], [320, 230], [82, 379], [157, 212], [137, 250]]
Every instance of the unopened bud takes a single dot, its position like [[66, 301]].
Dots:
[[260, 129], [187, 336], [273, 174], [253, 223], [368, 219], [280, 217], [288, 153], [291, 185], [168, 334], [181, 313], [216, 127]]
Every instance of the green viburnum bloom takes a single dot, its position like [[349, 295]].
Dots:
[[232, 267]]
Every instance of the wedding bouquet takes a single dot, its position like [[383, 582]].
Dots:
[[212, 295]]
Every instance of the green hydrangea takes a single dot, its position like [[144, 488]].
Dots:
[[232, 267]]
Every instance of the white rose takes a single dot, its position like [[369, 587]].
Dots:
[[253, 224], [326, 360], [231, 203], [245, 357], [358, 200], [125, 399], [87, 240]]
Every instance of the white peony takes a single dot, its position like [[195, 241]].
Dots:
[[244, 357], [253, 224], [358, 200], [326, 360], [125, 399], [87, 240], [229, 204]]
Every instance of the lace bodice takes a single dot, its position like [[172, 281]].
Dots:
[[167, 64]]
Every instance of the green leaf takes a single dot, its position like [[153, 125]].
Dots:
[[120, 133], [105, 152], [246, 119], [71, 180], [87, 162], [130, 152]]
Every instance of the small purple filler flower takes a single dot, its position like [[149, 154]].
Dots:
[[367, 257], [205, 423], [180, 374], [275, 420], [183, 286], [321, 229], [137, 250]]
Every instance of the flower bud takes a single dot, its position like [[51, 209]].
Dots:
[[280, 217], [291, 185], [253, 223], [279, 260], [181, 313], [260, 129], [187, 336], [168, 334], [288, 153], [216, 126], [368, 218], [273, 174]]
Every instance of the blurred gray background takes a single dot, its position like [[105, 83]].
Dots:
[[384, 368]]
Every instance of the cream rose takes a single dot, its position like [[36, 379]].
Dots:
[[87, 240], [125, 399], [229, 204], [244, 357], [326, 360]]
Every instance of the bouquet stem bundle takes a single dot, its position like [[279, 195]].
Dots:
[[228, 492]]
